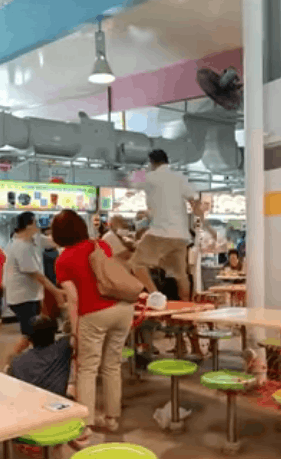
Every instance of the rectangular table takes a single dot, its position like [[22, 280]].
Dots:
[[267, 318], [230, 278], [23, 407], [173, 307], [231, 289]]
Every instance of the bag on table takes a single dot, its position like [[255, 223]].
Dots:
[[113, 279]]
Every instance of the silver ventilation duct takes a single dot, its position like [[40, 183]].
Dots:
[[96, 140], [221, 151], [206, 132]]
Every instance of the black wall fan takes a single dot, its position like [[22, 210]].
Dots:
[[225, 89]]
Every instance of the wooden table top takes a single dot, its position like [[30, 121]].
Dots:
[[179, 307], [231, 278], [24, 407], [267, 318], [228, 288]]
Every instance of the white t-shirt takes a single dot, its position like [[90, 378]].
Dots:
[[24, 258], [114, 242], [166, 194]]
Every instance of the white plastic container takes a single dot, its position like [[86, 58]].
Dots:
[[157, 301]]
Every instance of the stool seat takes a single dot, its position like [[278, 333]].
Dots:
[[56, 434], [270, 342], [227, 380], [215, 334], [127, 353], [115, 450], [171, 367]]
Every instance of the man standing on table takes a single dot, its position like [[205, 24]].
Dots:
[[164, 244]]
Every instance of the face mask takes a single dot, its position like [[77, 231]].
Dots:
[[141, 224]]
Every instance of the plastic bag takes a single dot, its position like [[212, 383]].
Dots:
[[163, 416]]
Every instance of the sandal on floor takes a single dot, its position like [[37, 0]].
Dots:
[[83, 441]]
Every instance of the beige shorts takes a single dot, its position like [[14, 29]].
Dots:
[[166, 253]]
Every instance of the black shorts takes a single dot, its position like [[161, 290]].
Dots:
[[24, 312]]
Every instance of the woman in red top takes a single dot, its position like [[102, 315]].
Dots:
[[103, 324]]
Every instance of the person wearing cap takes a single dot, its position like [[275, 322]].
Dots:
[[24, 279], [164, 244]]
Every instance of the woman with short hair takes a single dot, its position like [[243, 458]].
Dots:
[[102, 324]]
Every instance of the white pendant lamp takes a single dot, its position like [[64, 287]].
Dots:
[[102, 73]]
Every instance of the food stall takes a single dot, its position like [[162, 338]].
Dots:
[[45, 200]]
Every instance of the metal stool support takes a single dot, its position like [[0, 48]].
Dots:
[[231, 418], [175, 398]]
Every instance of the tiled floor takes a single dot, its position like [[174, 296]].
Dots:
[[205, 426]]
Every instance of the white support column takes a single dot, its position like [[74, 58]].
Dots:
[[254, 159]]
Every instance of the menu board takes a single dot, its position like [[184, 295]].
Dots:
[[46, 196], [106, 198], [224, 203], [122, 200]]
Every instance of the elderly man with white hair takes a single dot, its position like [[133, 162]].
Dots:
[[117, 238]]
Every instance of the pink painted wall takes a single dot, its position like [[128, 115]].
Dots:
[[172, 83]]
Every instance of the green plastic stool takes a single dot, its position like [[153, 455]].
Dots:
[[56, 434], [173, 369], [115, 451], [215, 336], [231, 382], [127, 352]]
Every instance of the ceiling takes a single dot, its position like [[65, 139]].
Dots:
[[143, 39]]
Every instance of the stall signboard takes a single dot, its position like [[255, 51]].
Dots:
[[46, 196], [122, 200], [106, 199]]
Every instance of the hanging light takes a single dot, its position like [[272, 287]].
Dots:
[[102, 73]]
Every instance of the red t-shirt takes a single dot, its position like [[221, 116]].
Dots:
[[2, 262], [73, 265]]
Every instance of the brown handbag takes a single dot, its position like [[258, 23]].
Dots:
[[114, 280]]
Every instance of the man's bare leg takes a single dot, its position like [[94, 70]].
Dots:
[[144, 277]]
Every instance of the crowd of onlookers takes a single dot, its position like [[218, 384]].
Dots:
[[49, 281]]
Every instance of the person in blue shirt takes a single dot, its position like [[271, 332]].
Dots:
[[241, 246]]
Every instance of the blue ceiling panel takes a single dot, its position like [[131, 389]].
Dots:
[[28, 24]]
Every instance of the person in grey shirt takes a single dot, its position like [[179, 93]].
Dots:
[[24, 279]]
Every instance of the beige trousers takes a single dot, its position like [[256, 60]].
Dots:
[[101, 338]]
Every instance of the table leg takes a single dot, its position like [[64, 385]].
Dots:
[[179, 339], [7, 449], [132, 360], [231, 418], [46, 452], [243, 337], [175, 399], [215, 351]]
